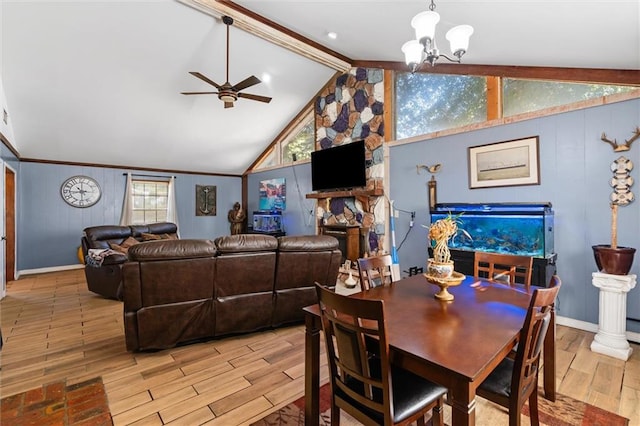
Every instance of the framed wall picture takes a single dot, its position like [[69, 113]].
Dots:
[[273, 194], [506, 163], [205, 200]]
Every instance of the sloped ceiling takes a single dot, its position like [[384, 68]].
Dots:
[[99, 81]]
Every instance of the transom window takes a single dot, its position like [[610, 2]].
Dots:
[[426, 103], [299, 141], [520, 96]]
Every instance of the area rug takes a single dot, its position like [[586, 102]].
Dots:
[[565, 411], [79, 404]]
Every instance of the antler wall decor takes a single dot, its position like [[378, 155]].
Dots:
[[627, 143]]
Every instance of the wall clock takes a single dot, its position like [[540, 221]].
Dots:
[[80, 191]]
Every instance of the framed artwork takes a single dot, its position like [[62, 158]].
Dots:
[[273, 194], [506, 163], [205, 200]]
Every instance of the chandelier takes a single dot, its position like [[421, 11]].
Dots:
[[423, 48]]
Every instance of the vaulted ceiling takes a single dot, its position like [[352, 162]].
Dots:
[[99, 82]]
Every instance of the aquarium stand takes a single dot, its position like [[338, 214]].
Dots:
[[611, 338], [543, 268]]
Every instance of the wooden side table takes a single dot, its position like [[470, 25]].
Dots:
[[611, 338]]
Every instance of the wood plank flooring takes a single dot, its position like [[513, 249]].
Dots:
[[55, 329]]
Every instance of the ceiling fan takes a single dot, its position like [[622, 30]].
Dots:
[[227, 92]]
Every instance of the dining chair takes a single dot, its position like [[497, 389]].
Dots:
[[366, 385], [375, 271], [508, 268], [514, 381]]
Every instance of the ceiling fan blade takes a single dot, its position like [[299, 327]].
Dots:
[[199, 93], [205, 79], [228, 104], [254, 97], [247, 82]]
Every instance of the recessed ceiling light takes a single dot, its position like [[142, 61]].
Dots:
[[332, 35], [266, 77]]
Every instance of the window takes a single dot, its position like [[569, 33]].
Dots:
[[531, 95], [298, 140], [150, 201], [426, 103], [301, 145]]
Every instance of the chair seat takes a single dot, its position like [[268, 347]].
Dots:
[[411, 393], [499, 381]]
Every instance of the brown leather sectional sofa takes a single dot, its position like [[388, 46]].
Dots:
[[106, 279], [178, 291]]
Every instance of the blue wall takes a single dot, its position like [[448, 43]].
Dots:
[[49, 230], [574, 177], [298, 217]]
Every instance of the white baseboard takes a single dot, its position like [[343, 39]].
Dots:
[[50, 269], [587, 326]]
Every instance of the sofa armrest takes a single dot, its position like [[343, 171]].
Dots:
[[115, 258]]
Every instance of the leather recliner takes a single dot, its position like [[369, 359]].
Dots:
[[106, 279], [179, 291]]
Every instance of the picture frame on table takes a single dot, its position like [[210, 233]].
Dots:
[[508, 163]]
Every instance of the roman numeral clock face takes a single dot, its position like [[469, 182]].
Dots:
[[80, 191]]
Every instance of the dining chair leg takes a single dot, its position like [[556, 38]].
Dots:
[[437, 414], [533, 408], [335, 415]]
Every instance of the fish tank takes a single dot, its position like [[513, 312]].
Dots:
[[267, 221], [524, 229]]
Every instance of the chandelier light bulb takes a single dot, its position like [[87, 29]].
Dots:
[[459, 39], [412, 53], [424, 24]]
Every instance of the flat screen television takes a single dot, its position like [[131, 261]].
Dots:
[[340, 167]]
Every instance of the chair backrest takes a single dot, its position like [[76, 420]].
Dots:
[[375, 271], [536, 323], [507, 268], [355, 374]]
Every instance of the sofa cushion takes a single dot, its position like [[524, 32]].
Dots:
[[125, 245], [242, 243], [154, 228], [172, 249], [150, 237], [307, 243]]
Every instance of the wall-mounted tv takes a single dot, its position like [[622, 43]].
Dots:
[[340, 167]]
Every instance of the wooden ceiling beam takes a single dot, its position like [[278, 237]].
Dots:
[[268, 30], [574, 75]]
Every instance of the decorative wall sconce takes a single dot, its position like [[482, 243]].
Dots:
[[433, 185]]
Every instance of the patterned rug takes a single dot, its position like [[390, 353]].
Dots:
[[566, 411], [80, 404]]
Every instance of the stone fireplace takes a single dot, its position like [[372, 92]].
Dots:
[[350, 109]]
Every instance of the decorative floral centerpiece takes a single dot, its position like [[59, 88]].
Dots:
[[441, 231]]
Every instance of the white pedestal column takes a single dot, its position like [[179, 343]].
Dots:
[[611, 338]]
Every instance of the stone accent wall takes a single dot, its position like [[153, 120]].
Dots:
[[350, 109]]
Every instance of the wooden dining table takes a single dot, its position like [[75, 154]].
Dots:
[[455, 344]]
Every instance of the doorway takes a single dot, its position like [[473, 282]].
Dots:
[[9, 224]]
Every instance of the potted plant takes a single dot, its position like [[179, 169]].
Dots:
[[613, 259]]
